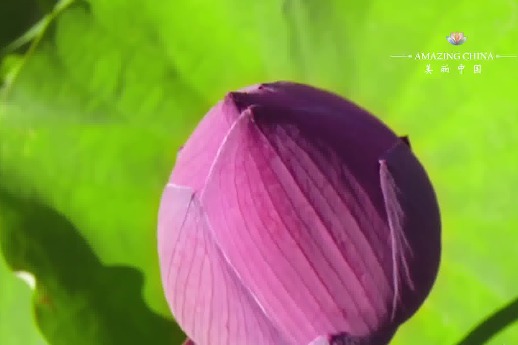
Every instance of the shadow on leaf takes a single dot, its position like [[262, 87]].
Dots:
[[492, 325], [78, 300]]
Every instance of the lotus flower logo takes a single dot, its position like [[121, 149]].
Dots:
[[456, 38]]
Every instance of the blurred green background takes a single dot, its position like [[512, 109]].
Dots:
[[96, 97]]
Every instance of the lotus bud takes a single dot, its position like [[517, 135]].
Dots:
[[294, 217]]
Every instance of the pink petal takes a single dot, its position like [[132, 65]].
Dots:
[[414, 220], [203, 292], [289, 216], [203, 144]]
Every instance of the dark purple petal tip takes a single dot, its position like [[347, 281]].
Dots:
[[295, 217]]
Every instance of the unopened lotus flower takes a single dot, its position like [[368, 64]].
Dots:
[[294, 217]]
